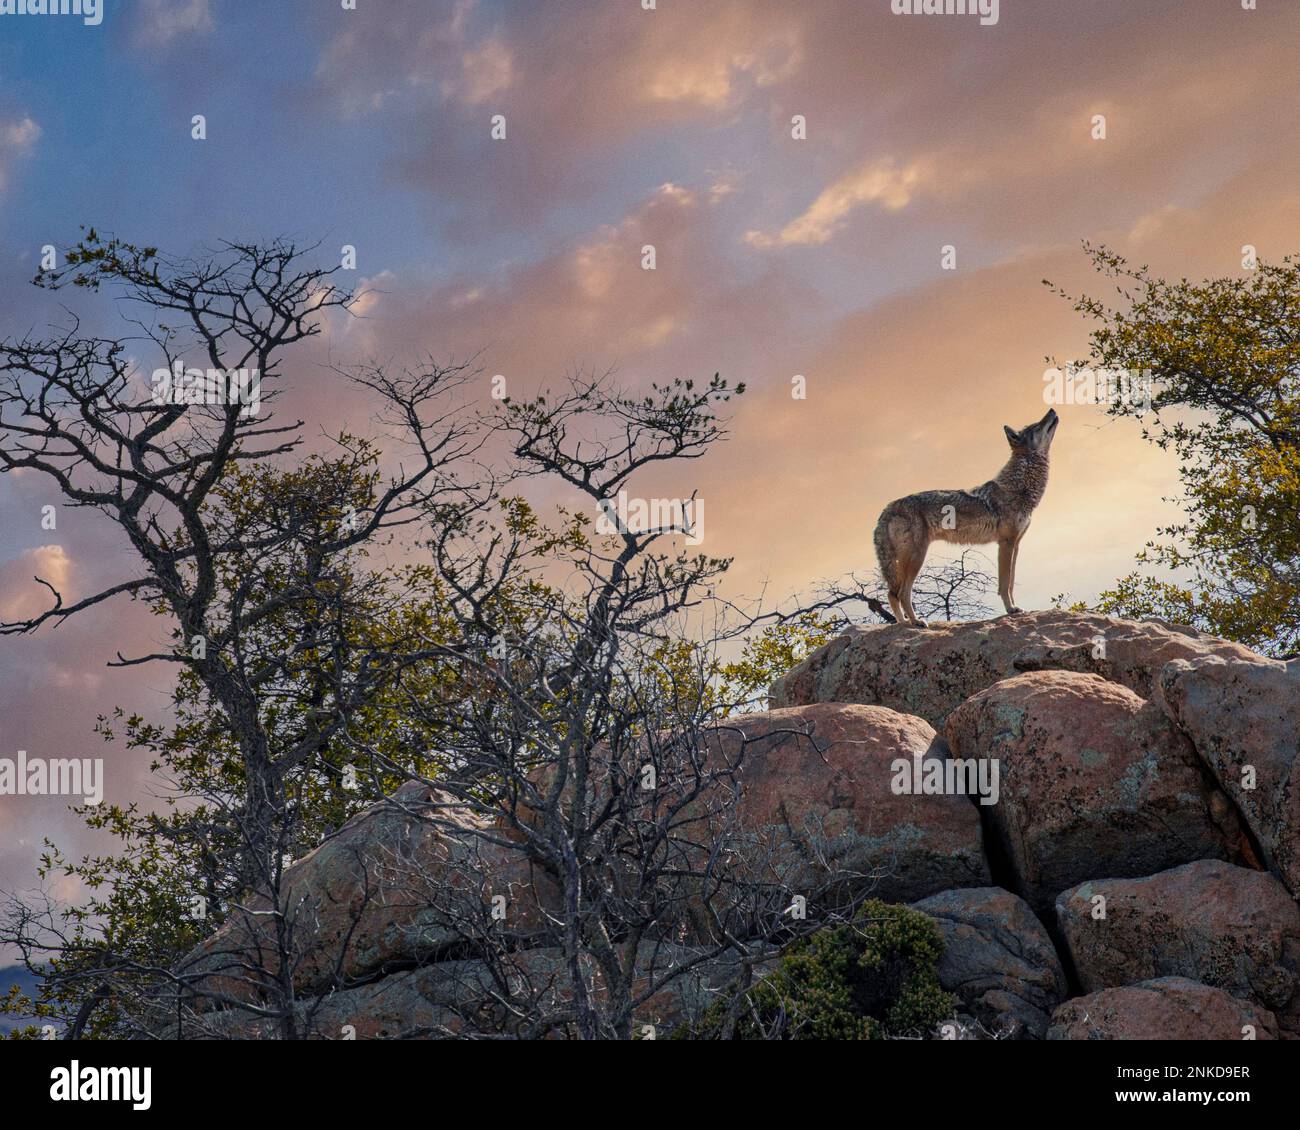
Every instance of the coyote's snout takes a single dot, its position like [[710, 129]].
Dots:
[[999, 511]]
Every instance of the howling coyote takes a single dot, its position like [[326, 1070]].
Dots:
[[998, 511]]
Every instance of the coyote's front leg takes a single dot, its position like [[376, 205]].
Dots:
[[1015, 561], [1007, 571]]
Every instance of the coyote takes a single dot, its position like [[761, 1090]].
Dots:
[[998, 511]]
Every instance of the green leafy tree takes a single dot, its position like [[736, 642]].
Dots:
[[768, 654], [311, 681], [870, 979], [179, 867], [1223, 358], [257, 566]]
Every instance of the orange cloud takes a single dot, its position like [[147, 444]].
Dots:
[[878, 181], [20, 596]]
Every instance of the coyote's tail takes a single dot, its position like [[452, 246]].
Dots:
[[885, 553]]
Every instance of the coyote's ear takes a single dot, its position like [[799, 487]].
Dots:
[[1012, 437]]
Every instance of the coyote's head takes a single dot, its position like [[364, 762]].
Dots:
[[1034, 437]]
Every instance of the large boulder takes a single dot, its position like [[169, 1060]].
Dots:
[[930, 672], [1167, 1008], [427, 1003], [817, 799], [1093, 780], [397, 882], [1227, 927], [1243, 716], [998, 960]]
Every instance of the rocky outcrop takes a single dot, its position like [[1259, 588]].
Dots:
[[998, 960], [1167, 1008], [929, 673], [1224, 926], [1243, 717], [1094, 781], [816, 812], [817, 797], [1145, 788]]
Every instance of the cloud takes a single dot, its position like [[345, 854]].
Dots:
[[395, 62], [20, 596], [19, 135], [579, 85], [17, 138], [159, 22], [879, 181], [486, 70], [588, 302], [902, 114], [709, 70]]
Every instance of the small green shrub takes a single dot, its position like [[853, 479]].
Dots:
[[869, 980]]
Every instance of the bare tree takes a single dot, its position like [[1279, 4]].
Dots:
[[256, 570], [946, 590], [955, 590], [553, 689], [591, 767]]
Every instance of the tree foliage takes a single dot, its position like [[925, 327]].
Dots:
[[1223, 356], [337, 631], [870, 979]]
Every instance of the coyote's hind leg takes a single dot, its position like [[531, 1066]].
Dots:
[[901, 542], [908, 570], [896, 606]]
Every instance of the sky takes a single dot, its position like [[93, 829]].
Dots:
[[893, 255]]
